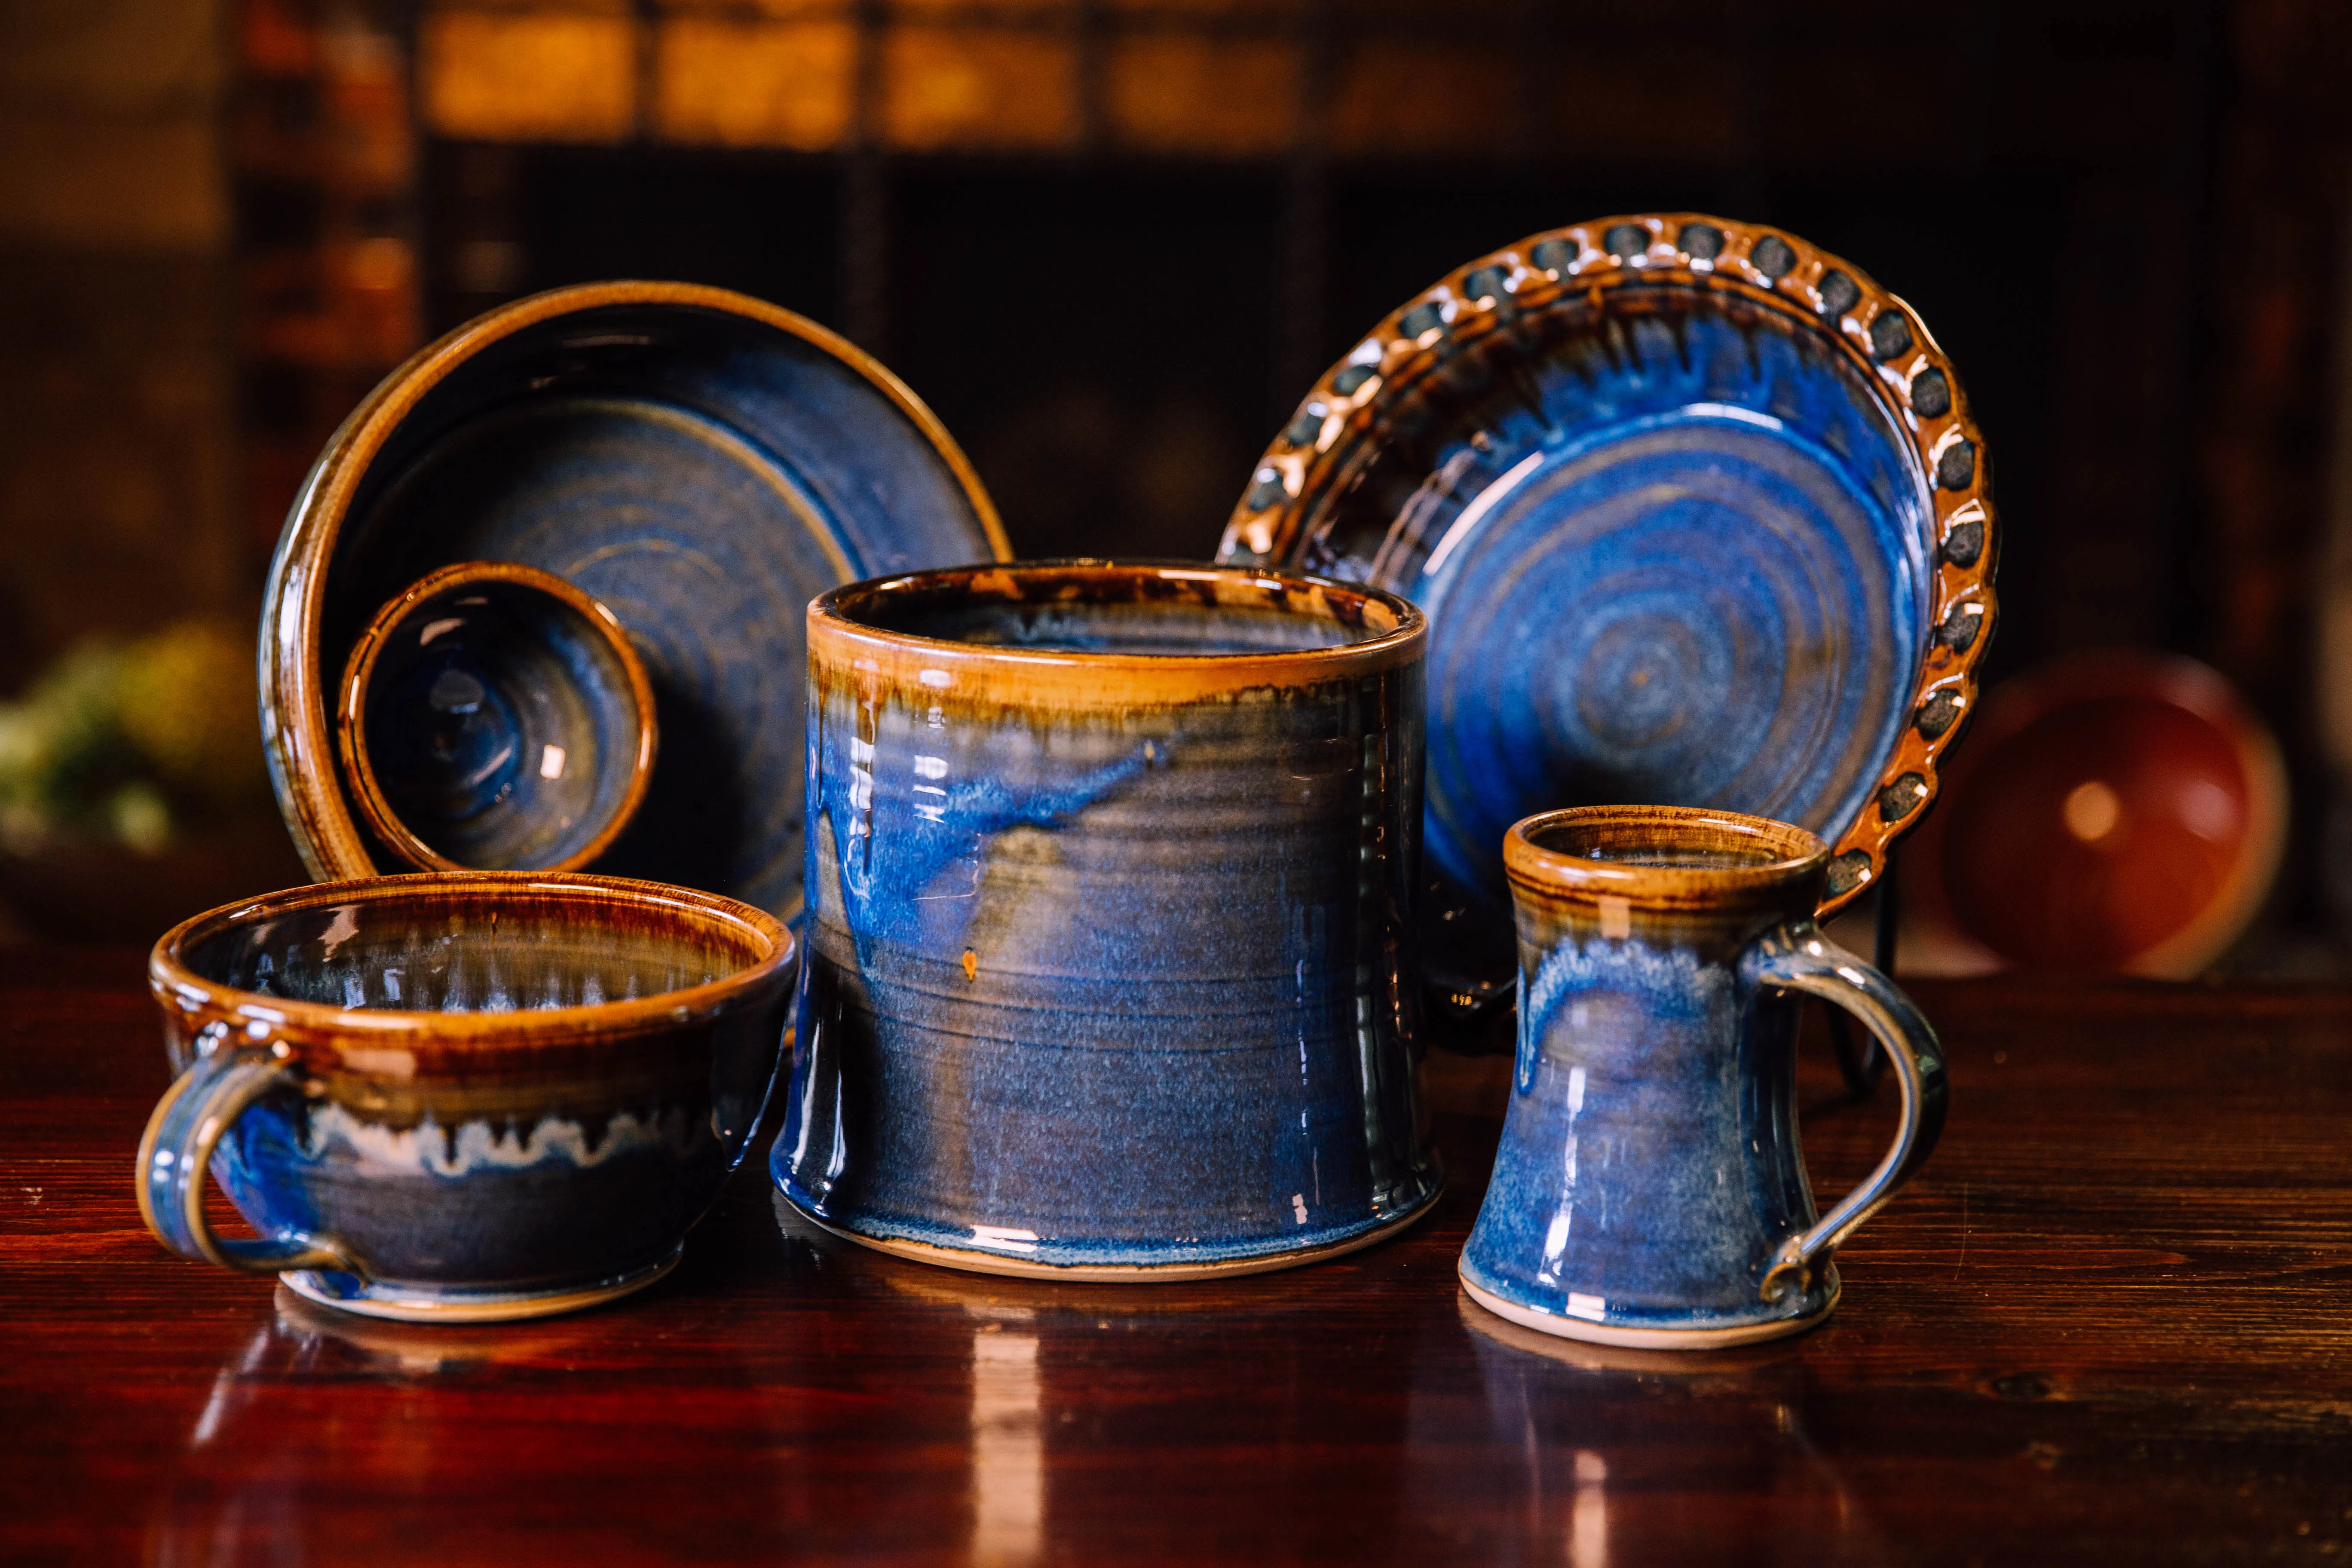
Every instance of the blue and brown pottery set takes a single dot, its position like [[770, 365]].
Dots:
[[1117, 946]]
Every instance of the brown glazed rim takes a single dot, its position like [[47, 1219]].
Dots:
[[294, 690], [350, 730], [840, 642], [1880, 336], [1551, 874], [175, 986]]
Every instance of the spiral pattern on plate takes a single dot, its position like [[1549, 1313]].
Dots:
[[1697, 610], [1699, 516]]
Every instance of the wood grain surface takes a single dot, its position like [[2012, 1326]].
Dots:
[[2112, 1323]]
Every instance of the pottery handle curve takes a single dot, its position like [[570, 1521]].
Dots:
[[176, 1150], [1797, 957]]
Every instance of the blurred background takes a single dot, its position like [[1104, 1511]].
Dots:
[[1111, 242]]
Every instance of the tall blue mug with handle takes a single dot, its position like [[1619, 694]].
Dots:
[[1650, 1190]]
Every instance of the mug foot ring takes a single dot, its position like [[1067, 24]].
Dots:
[[977, 1262], [411, 1306], [1650, 1339]]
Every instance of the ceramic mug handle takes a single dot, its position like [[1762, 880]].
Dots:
[[177, 1149], [1797, 957]]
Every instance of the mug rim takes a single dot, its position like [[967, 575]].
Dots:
[[176, 985], [836, 635], [1797, 853], [351, 714]]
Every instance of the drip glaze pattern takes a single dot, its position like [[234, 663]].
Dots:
[[462, 1096], [1110, 897]]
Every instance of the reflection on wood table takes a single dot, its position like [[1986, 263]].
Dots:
[[2112, 1319]]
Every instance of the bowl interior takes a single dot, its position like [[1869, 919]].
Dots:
[[1675, 547], [1135, 610], [501, 725], [1681, 554], [472, 951]]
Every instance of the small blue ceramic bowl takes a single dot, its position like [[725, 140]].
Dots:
[[1109, 886], [494, 718]]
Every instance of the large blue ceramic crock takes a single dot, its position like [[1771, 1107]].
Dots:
[[1109, 882]]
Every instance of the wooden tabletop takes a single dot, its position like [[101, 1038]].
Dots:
[[2113, 1322]]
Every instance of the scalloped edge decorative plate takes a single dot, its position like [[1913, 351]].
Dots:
[[1326, 445]]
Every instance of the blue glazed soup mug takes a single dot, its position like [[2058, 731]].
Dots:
[[1109, 886], [1650, 1190], [462, 1097]]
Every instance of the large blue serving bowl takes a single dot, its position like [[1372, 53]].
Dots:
[[700, 463]]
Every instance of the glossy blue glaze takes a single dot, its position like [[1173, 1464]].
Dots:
[[470, 1091], [1650, 1188], [1108, 981], [1697, 574], [500, 723], [1677, 551], [1649, 1167], [484, 1206], [700, 463]]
